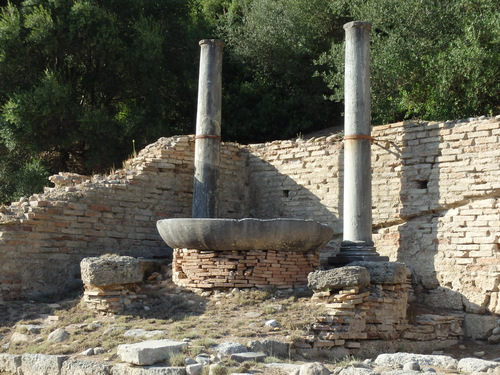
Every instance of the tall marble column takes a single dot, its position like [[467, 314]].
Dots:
[[357, 242], [208, 130]]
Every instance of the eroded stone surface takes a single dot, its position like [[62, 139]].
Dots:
[[110, 270], [338, 278], [149, 352], [384, 272]]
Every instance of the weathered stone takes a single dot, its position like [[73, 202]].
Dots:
[[384, 272], [149, 352], [270, 347], [469, 365], [313, 368], [338, 278], [479, 326], [228, 348], [244, 234], [9, 363], [110, 270], [248, 356], [356, 371], [41, 364], [82, 367], [194, 369], [399, 359], [125, 369], [58, 335], [18, 338]]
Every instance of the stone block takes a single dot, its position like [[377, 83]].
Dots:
[[479, 326], [384, 272], [41, 364], [110, 270], [9, 363], [338, 278], [248, 356], [149, 352], [125, 369], [83, 367], [475, 365]]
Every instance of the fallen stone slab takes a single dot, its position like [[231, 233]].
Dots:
[[125, 369], [42, 364], [476, 365], [398, 360], [228, 348], [285, 367], [85, 367], [338, 278], [9, 363], [248, 356], [384, 272], [149, 352], [110, 270]]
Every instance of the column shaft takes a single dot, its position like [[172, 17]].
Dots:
[[208, 130]]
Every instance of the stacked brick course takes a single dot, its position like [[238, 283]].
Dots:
[[198, 269]]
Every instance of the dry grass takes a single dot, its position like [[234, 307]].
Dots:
[[205, 322]]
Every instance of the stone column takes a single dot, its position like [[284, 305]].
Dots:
[[208, 133], [357, 241]]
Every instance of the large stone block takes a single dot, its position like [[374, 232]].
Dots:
[[110, 270], [124, 369], [384, 272], [338, 278], [149, 352], [9, 363], [41, 364], [479, 326], [85, 367]]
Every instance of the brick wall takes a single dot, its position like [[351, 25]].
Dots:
[[43, 238], [436, 201], [436, 206]]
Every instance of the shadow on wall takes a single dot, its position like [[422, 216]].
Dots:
[[291, 184], [423, 237]]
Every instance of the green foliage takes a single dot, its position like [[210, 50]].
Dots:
[[430, 59], [80, 78]]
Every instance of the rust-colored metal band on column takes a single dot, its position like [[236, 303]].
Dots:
[[358, 136]]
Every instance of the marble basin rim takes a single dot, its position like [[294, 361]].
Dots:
[[244, 234]]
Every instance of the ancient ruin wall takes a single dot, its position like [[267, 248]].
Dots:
[[436, 206], [436, 201], [44, 237]]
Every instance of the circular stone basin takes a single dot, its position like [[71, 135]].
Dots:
[[244, 234]]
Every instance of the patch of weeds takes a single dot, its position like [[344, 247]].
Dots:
[[205, 342], [219, 370], [191, 335], [272, 359], [177, 360]]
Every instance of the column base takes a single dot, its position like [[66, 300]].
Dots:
[[355, 251]]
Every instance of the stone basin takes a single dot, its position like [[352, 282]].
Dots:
[[244, 234]]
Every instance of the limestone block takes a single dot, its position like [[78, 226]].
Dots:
[[338, 278], [9, 363], [149, 352], [479, 326], [443, 298], [474, 365], [82, 367], [248, 356], [125, 369], [384, 272], [398, 360], [110, 270], [41, 364]]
